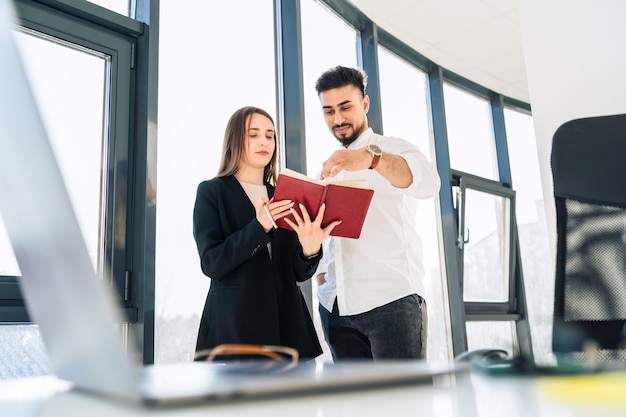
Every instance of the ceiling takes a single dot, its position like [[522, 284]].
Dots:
[[477, 39]]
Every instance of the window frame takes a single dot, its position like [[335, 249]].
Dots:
[[437, 76], [126, 134], [478, 310], [133, 138]]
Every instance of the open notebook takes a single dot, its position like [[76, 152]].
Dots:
[[75, 311]]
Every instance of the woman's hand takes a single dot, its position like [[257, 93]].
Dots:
[[310, 232], [278, 209]]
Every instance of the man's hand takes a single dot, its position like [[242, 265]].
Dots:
[[393, 167], [346, 159]]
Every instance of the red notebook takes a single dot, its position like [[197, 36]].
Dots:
[[347, 201]]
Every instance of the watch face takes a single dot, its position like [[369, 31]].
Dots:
[[375, 149]]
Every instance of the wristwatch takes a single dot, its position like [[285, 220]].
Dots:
[[376, 154]]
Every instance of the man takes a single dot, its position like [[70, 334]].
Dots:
[[370, 289]]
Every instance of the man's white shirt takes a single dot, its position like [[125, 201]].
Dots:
[[385, 263]]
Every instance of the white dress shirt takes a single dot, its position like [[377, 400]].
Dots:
[[385, 263]]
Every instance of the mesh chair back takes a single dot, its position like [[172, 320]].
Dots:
[[589, 171]]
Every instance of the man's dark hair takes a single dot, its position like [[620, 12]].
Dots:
[[339, 76]]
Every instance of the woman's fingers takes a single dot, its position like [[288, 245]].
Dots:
[[305, 214], [280, 208]]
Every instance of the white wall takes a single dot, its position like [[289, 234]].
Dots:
[[575, 53]]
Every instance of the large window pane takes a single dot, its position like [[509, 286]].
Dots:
[[486, 248], [318, 55], [470, 133], [69, 84], [321, 49], [22, 352], [8, 263], [537, 261], [122, 7], [491, 335], [405, 115], [206, 72]]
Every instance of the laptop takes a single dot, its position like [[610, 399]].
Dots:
[[76, 312]]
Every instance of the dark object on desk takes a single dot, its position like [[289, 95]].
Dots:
[[588, 169], [495, 362], [498, 362], [476, 355]]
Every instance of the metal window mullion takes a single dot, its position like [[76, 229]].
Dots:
[[290, 96], [142, 277], [517, 291], [367, 57], [289, 82], [448, 215], [499, 134]]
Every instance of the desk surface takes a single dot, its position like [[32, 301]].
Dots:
[[472, 395]]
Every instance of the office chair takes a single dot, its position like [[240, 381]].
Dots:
[[589, 173]]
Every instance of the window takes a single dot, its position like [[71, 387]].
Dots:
[[81, 77], [317, 57], [485, 237], [405, 115], [535, 251], [486, 242], [76, 74], [202, 81], [123, 7], [321, 50], [22, 351], [490, 335], [75, 124], [470, 134]]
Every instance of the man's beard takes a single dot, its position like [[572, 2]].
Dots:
[[347, 140]]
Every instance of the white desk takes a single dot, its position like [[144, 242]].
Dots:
[[474, 395]]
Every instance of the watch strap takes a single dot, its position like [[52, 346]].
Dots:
[[375, 156], [375, 160]]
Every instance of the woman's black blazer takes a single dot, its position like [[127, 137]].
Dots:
[[253, 298]]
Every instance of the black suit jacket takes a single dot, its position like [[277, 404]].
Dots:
[[253, 298]]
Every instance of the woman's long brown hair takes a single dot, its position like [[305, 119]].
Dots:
[[234, 143]]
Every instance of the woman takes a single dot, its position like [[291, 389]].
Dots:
[[254, 268]]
